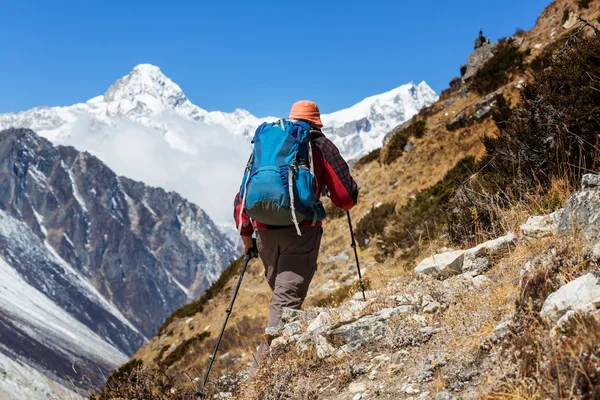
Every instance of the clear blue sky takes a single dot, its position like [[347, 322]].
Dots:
[[258, 55]]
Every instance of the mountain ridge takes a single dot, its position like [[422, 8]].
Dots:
[[145, 127]]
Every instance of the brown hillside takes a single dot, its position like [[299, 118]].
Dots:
[[182, 348]]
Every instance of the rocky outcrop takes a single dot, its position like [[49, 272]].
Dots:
[[582, 211]]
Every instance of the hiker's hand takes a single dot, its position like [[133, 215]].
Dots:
[[246, 244]]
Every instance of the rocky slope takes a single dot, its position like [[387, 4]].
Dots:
[[427, 334], [91, 262], [145, 127]]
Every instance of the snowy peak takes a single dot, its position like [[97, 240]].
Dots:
[[361, 128], [145, 90], [394, 103]]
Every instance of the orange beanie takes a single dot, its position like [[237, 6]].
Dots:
[[307, 111]]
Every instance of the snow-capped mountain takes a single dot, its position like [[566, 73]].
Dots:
[[146, 128], [90, 263]]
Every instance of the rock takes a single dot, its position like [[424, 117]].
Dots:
[[278, 343], [492, 247], [291, 315], [292, 329], [457, 122], [583, 209], [541, 226], [343, 256], [356, 387], [357, 396], [575, 295], [478, 58], [356, 333], [441, 266], [410, 389], [432, 308], [475, 265], [501, 331], [445, 395], [388, 313], [274, 331], [322, 319], [315, 345]]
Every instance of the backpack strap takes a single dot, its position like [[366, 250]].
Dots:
[[292, 207]]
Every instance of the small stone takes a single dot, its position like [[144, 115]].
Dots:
[[441, 266], [445, 395], [356, 387], [410, 389], [357, 396]]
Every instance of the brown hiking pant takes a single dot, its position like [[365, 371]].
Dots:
[[290, 263]]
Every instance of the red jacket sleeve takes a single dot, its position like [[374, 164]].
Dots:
[[343, 190], [247, 229]]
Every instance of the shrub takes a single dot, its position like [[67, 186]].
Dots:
[[553, 132], [426, 212], [182, 349], [496, 71], [584, 3], [334, 212], [193, 308], [373, 223], [399, 140], [369, 158]]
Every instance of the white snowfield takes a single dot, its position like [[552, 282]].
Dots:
[[145, 128]]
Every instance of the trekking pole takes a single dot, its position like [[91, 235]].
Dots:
[[252, 253], [353, 245]]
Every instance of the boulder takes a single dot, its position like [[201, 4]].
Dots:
[[315, 345], [575, 295], [583, 209], [540, 226], [441, 266], [492, 247]]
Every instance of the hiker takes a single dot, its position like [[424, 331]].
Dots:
[[288, 240]]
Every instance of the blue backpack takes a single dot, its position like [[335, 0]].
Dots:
[[278, 187]]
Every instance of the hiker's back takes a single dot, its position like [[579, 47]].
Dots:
[[278, 188]]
